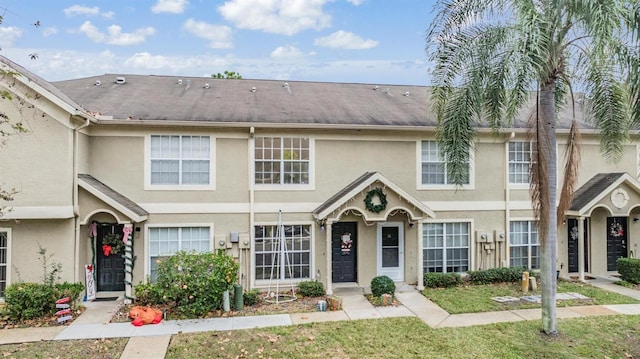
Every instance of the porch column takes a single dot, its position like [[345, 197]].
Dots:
[[327, 230], [581, 249], [420, 285]]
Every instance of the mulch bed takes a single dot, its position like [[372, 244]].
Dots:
[[47, 321]]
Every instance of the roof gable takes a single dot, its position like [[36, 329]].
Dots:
[[355, 188], [112, 198], [597, 188]]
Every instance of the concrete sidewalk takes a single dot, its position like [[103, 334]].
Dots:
[[151, 341]]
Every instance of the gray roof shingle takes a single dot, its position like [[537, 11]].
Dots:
[[592, 189]]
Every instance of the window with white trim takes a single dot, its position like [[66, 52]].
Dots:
[[167, 241], [434, 167], [4, 259], [282, 160], [520, 159], [524, 248], [180, 160], [445, 247], [274, 261]]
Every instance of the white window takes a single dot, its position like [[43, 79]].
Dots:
[[166, 241], [282, 160], [520, 160], [4, 261], [524, 248], [275, 262], [180, 160], [434, 167], [445, 247]]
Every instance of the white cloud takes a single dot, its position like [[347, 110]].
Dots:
[[356, 2], [171, 6], [49, 31], [87, 11], [8, 35], [219, 36], [345, 40], [286, 53], [285, 17], [115, 36]]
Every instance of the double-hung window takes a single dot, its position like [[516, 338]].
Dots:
[[282, 160], [284, 253], [521, 156], [434, 168], [180, 160], [4, 261], [166, 241], [445, 247], [524, 248]]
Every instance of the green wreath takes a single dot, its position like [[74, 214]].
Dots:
[[368, 200], [114, 242]]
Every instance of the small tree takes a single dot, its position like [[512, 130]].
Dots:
[[227, 75]]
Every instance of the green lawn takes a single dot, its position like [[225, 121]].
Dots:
[[592, 337], [477, 298]]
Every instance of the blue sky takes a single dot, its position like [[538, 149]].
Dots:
[[368, 41]]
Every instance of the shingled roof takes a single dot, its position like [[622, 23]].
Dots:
[[246, 102], [597, 186], [113, 198]]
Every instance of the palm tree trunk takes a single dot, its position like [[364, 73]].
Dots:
[[549, 234]]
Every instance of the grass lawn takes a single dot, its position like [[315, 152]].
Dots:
[[477, 298], [592, 337]]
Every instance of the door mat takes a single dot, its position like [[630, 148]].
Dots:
[[105, 299]]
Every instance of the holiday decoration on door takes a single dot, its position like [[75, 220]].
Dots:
[[112, 244]]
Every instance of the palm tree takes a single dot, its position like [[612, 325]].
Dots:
[[490, 56]]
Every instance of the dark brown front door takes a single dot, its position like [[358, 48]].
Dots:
[[344, 241], [572, 245], [110, 268], [616, 241]]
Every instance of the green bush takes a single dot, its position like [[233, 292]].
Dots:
[[442, 280], [629, 269], [382, 285], [496, 275], [34, 300], [310, 288], [147, 293], [251, 297], [195, 282]]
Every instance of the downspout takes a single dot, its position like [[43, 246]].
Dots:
[[251, 169], [74, 199], [507, 203]]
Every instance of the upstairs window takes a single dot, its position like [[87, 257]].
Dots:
[[180, 160], [520, 159], [282, 160], [434, 167]]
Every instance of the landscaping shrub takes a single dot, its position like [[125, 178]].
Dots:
[[310, 288], [442, 280], [382, 285], [496, 275], [33, 300], [629, 269], [195, 282], [147, 293], [251, 297]]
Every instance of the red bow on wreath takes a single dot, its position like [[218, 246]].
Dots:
[[106, 249]]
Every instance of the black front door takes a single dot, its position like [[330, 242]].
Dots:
[[572, 245], [110, 268], [344, 252], [616, 241]]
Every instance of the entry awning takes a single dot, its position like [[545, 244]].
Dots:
[[414, 207], [594, 191], [113, 198]]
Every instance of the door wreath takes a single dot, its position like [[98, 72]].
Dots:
[[382, 199], [112, 244]]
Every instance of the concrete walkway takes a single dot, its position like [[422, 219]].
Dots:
[[151, 341]]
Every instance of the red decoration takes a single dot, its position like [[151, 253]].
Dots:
[[106, 249]]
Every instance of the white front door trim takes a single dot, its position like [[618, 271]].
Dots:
[[395, 273]]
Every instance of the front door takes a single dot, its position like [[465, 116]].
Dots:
[[616, 241], [391, 250], [344, 240], [110, 266], [572, 245]]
